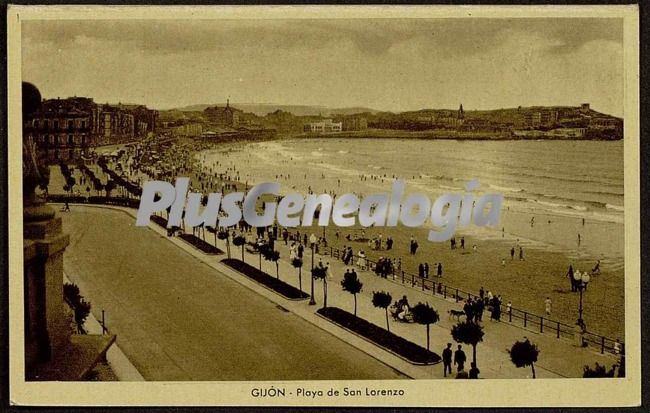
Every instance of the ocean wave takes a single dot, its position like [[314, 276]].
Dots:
[[343, 152], [605, 193], [450, 188], [505, 188], [615, 207]]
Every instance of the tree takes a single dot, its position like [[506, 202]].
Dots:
[[98, 186], [468, 333], [110, 185], [80, 306], [523, 354], [297, 263], [240, 241], [424, 314], [320, 273], [382, 299], [223, 235], [273, 256], [351, 284]]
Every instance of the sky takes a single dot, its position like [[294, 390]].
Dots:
[[385, 64]]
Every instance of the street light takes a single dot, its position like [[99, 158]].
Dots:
[[581, 281], [312, 243]]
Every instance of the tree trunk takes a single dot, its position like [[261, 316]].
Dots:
[[325, 292], [242, 252], [428, 340], [355, 305], [300, 278], [387, 325], [474, 353], [260, 260], [532, 365], [228, 247], [277, 270]]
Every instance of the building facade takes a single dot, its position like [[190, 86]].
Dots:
[[67, 127], [326, 126], [226, 116]]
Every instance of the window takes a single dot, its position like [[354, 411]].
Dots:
[[36, 123], [70, 124], [83, 124], [70, 140], [56, 124]]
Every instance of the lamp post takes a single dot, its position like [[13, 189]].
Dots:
[[581, 280], [312, 243]]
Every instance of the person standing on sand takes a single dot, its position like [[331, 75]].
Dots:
[[569, 274], [521, 253], [439, 272], [426, 270], [446, 359], [512, 253], [547, 305], [462, 242]]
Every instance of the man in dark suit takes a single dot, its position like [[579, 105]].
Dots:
[[460, 358], [446, 359]]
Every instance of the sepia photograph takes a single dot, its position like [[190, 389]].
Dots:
[[324, 205]]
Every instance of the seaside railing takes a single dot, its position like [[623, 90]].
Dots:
[[516, 316]]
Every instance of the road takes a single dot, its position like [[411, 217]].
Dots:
[[178, 319]]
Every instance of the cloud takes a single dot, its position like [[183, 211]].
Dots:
[[370, 36]]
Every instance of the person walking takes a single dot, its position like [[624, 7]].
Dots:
[[460, 358], [446, 359], [439, 271]]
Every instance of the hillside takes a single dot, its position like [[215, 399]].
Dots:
[[261, 109]]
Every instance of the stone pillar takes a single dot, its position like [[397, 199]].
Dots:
[[47, 329]]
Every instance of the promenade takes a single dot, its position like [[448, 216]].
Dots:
[[178, 314]]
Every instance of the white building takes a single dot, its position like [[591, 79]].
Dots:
[[323, 127]]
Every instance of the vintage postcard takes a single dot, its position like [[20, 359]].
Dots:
[[417, 206]]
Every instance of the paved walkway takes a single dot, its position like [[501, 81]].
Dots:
[[558, 358], [178, 319]]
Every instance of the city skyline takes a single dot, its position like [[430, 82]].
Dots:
[[389, 65]]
